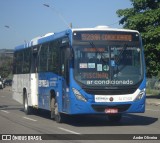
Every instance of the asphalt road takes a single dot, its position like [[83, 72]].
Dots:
[[14, 121]]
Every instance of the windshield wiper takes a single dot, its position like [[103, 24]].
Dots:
[[94, 46], [119, 56]]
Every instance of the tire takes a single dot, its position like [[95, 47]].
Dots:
[[27, 109], [57, 116], [115, 117]]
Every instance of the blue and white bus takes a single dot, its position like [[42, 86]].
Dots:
[[97, 70]]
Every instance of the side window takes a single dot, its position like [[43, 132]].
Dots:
[[19, 61], [26, 62], [34, 60], [53, 57], [42, 66]]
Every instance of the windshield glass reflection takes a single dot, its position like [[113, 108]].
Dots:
[[107, 65]]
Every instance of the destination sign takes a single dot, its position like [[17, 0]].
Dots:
[[94, 75], [94, 49], [104, 36]]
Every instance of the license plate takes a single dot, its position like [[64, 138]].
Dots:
[[111, 111]]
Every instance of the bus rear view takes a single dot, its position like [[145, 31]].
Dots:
[[108, 72]]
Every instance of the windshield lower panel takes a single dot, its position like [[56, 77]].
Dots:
[[107, 65]]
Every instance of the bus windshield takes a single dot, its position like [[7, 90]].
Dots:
[[105, 64]]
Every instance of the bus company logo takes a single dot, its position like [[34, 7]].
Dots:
[[101, 98], [43, 83], [6, 137], [111, 99]]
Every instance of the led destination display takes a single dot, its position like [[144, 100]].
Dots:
[[104, 36]]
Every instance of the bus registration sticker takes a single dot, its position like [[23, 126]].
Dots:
[[111, 110]]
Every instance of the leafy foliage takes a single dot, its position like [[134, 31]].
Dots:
[[144, 16], [5, 65]]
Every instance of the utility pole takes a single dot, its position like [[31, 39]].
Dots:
[[59, 15]]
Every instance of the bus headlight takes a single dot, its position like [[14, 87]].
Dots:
[[78, 95], [140, 95]]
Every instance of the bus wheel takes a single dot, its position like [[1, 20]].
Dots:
[[54, 111], [27, 109], [115, 117]]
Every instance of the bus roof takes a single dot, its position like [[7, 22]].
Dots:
[[41, 39], [52, 36], [103, 28]]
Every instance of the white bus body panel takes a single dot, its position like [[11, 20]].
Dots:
[[33, 98], [30, 83]]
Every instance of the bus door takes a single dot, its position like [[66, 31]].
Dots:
[[34, 77], [65, 78]]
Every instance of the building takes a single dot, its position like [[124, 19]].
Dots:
[[6, 52]]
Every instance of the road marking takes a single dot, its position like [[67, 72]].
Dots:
[[153, 110], [5, 111], [29, 119], [68, 131]]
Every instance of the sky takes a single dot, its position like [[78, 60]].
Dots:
[[23, 20]]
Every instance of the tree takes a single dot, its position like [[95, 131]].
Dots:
[[5, 65], [144, 16]]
